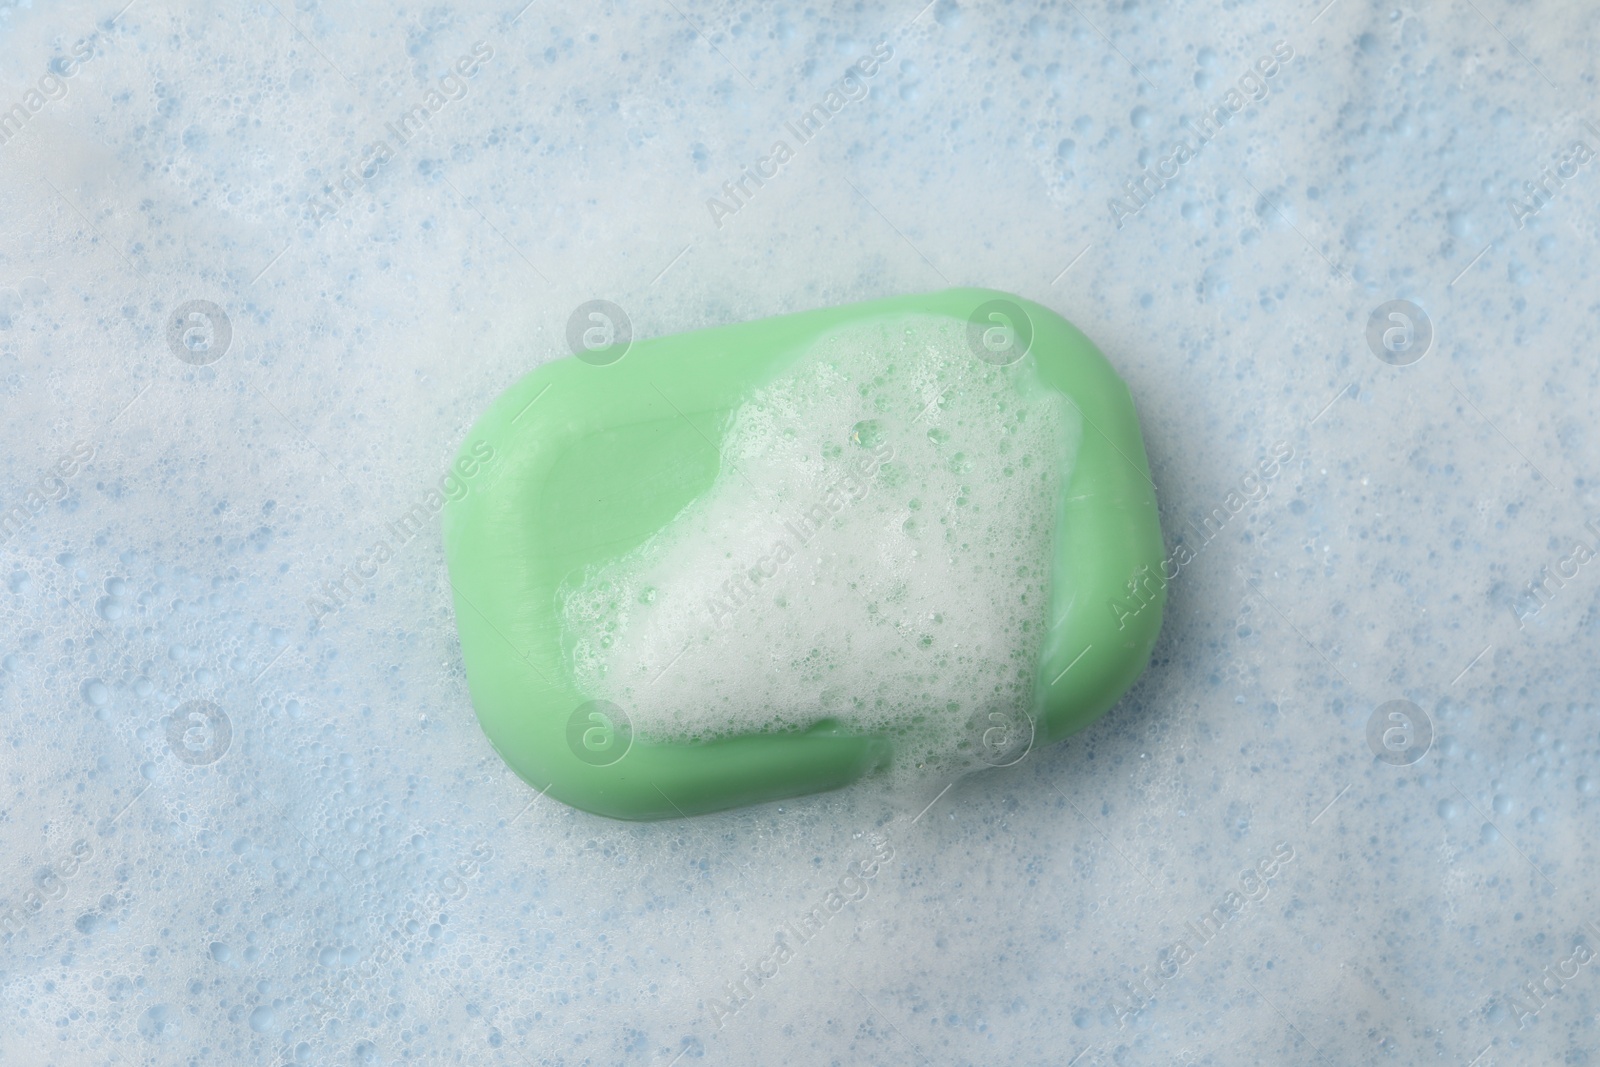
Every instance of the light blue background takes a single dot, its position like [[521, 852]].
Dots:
[[358, 879]]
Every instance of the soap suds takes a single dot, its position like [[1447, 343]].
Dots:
[[318, 894], [876, 551]]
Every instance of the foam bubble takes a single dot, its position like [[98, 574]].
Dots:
[[875, 551]]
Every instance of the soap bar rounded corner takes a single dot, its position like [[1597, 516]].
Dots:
[[541, 506]]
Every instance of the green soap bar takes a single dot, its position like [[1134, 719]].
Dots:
[[585, 460]]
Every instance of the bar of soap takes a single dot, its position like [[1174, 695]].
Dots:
[[763, 560]]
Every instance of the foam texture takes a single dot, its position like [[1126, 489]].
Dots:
[[355, 877], [876, 551]]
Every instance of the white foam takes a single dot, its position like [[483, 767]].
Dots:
[[875, 550]]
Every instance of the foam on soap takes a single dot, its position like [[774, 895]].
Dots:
[[875, 550]]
